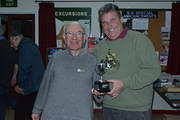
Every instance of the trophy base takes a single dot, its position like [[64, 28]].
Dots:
[[102, 86]]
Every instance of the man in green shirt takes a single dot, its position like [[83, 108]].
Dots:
[[131, 83]]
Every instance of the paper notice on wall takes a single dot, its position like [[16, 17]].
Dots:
[[59, 43], [168, 19], [59, 25], [163, 60], [140, 24]]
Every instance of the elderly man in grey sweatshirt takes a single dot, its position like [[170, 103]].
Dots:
[[65, 92]]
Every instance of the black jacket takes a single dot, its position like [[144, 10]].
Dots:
[[7, 60]]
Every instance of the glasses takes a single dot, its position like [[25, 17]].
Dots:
[[71, 34]]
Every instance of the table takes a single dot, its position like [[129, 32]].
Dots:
[[173, 103]]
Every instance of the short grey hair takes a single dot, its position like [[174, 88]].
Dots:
[[108, 8], [2, 29], [71, 23]]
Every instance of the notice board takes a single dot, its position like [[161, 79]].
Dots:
[[156, 20]]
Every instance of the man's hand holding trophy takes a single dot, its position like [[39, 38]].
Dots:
[[109, 63]]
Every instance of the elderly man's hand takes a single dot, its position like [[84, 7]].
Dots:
[[117, 88], [35, 117], [95, 92]]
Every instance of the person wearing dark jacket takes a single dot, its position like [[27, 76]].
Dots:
[[30, 73], [7, 62]]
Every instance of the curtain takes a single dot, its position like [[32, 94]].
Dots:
[[173, 65], [47, 29]]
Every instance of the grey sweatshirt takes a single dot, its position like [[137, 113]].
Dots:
[[65, 92]]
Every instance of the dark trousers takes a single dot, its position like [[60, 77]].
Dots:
[[24, 106], [113, 114], [4, 92]]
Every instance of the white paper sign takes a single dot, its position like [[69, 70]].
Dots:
[[140, 24]]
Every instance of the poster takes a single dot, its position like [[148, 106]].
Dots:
[[165, 36], [66, 15], [138, 19], [164, 47]]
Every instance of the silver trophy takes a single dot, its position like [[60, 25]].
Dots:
[[110, 62], [100, 85]]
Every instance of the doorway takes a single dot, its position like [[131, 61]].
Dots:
[[21, 23]]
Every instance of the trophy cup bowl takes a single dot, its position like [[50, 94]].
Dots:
[[100, 85]]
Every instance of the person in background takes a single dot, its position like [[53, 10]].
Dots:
[[30, 73], [8, 71], [131, 84], [65, 92]]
